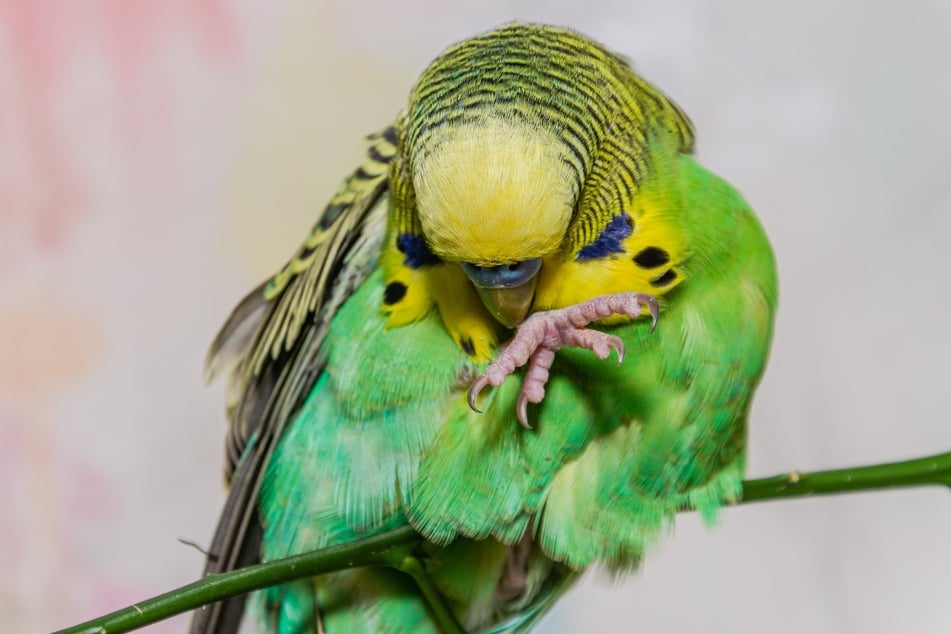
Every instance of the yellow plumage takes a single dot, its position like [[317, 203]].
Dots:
[[492, 192]]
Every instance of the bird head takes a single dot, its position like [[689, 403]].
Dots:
[[495, 197], [521, 143]]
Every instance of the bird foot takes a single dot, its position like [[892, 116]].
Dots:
[[541, 335]]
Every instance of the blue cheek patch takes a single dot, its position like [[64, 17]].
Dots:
[[415, 251], [611, 239]]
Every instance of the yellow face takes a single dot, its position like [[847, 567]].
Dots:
[[492, 192]]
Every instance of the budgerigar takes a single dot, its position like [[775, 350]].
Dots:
[[438, 352]]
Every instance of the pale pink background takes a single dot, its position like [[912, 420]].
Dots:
[[157, 158]]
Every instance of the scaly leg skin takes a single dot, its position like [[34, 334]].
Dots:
[[542, 334]]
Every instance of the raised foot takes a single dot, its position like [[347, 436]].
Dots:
[[541, 335]]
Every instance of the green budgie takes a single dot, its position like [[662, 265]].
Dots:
[[425, 357]]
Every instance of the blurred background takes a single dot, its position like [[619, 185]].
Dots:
[[158, 158]]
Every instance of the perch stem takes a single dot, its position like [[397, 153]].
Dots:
[[394, 548]]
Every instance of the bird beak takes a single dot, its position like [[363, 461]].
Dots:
[[506, 290], [509, 305]]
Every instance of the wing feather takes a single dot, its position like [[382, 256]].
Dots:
[[272, 340]]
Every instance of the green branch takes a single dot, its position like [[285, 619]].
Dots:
[[927, 471], [394, 548], [372, 551]]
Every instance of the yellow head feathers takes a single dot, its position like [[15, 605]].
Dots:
[[493, 191]]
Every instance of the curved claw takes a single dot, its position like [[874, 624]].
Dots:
[[615, 344], [521, 410], [477, 386], [653, 308], [618, 346]]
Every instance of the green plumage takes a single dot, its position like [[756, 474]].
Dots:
[[345, 424]]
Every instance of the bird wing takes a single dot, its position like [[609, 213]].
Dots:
[[271, 344]]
